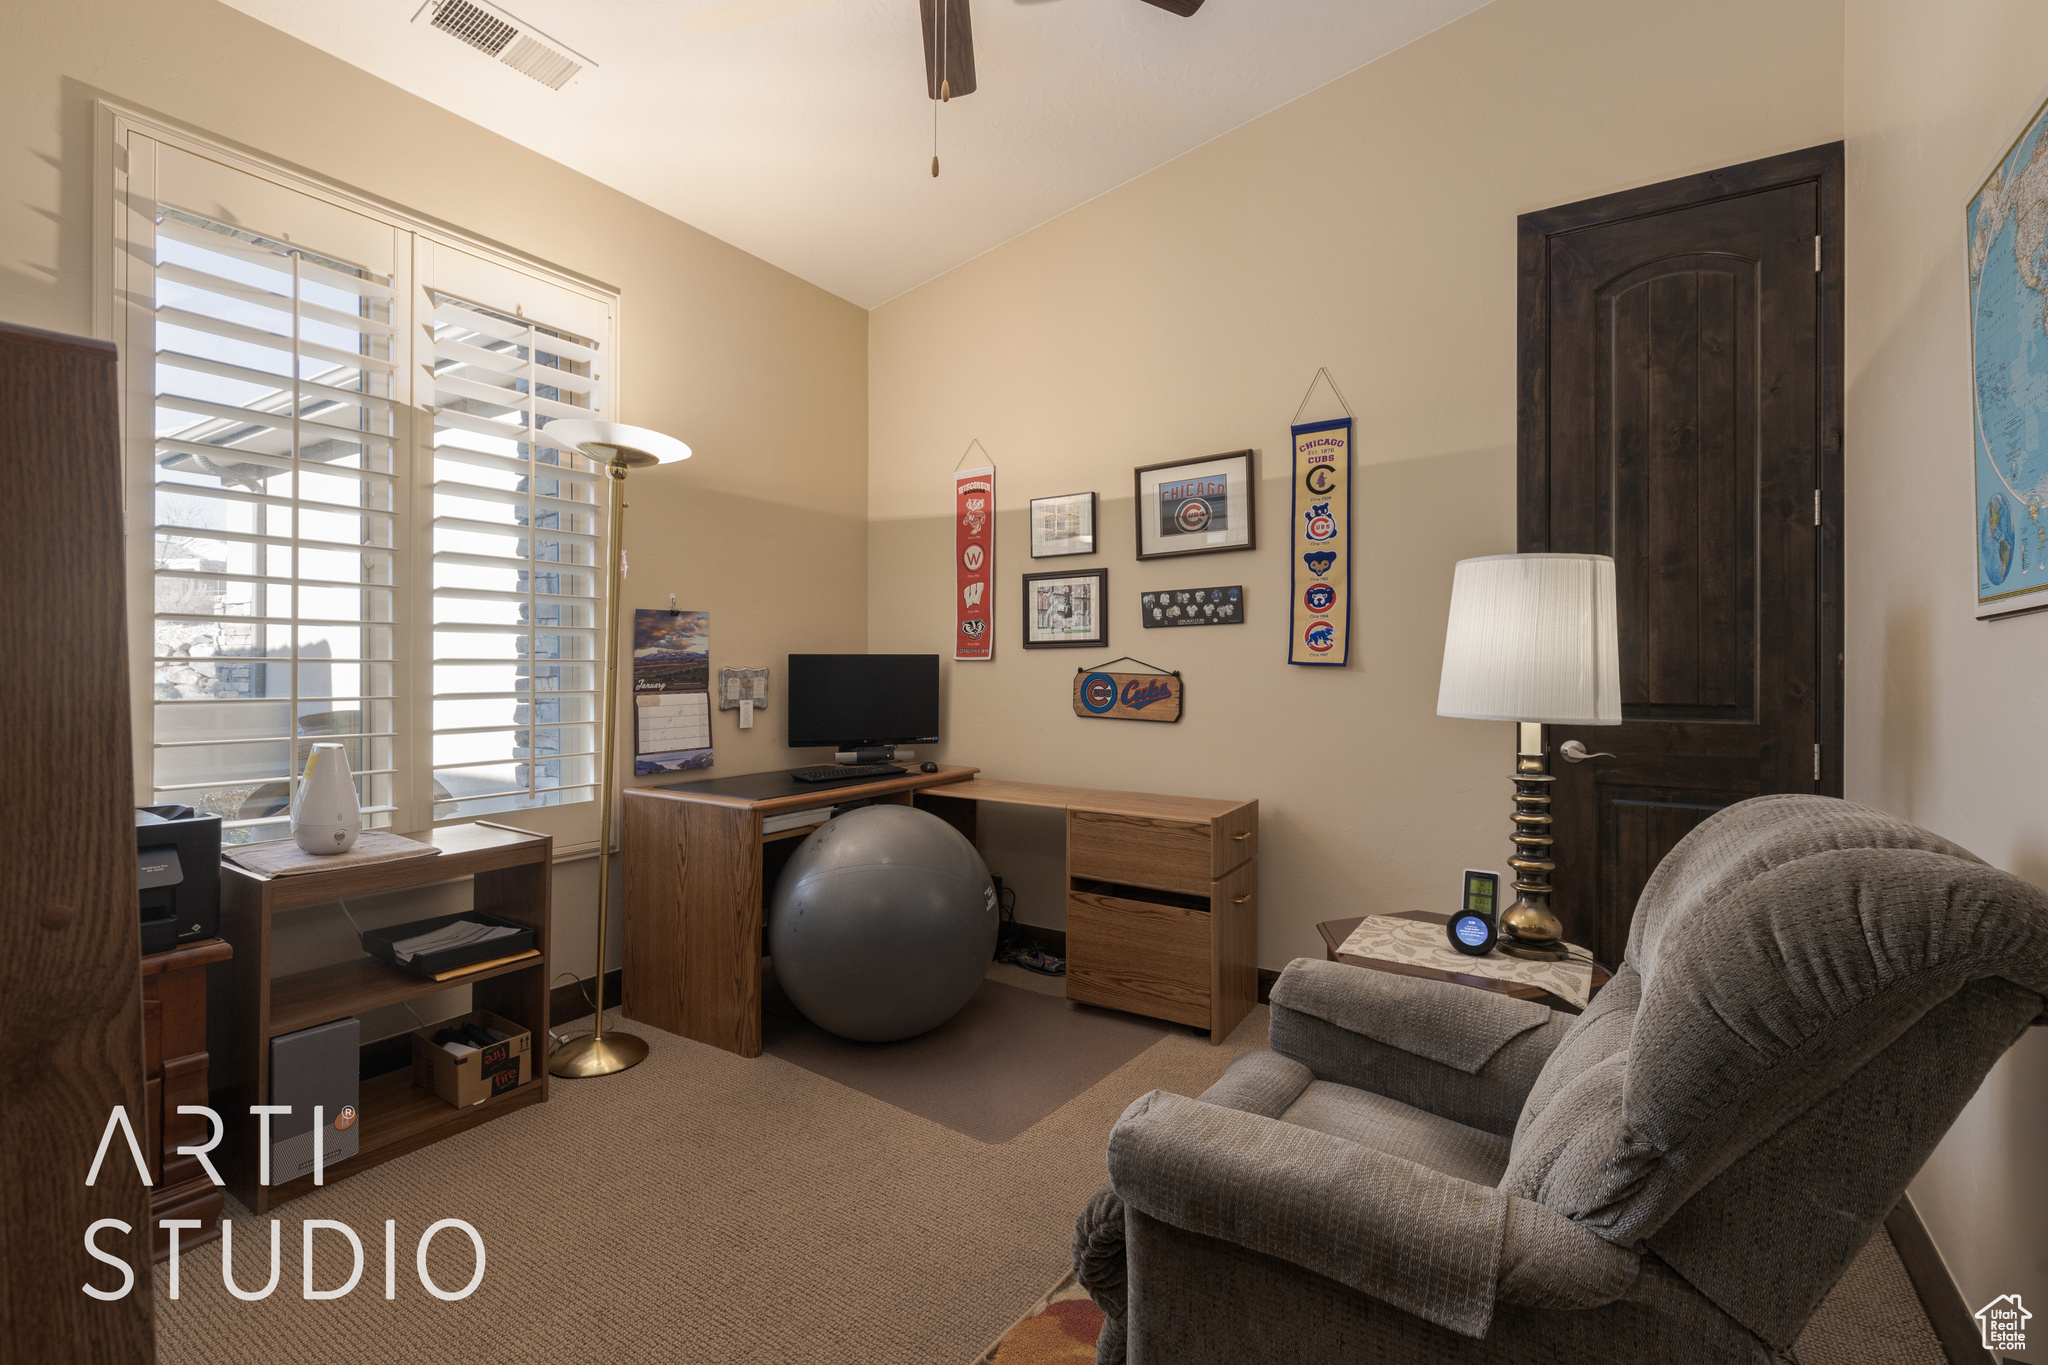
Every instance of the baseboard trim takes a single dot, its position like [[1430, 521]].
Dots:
[[572, 1000], [1939, 1298]]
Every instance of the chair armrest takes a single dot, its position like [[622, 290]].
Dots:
[[1465, 1054], [1419, 1240]]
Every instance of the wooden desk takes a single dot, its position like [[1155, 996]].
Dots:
[[1335, 931], [1162, 897]]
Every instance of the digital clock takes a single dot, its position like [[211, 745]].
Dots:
[[1473, 928]]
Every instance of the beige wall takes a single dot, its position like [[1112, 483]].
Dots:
[[763, 374], [1943, 710], [1369, 227]]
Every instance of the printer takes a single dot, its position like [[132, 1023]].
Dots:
[[177, 874]]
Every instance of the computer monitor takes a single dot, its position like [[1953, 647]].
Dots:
[[848, 701]]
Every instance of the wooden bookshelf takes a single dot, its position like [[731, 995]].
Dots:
[[511, 876], [399, 1117]]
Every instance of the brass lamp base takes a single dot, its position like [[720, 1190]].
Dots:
[[597, 1054], [1529, 930]]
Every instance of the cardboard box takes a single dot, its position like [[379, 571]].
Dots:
[[475, 1077]]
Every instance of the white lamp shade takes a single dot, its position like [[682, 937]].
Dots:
[[1532, 638], [606, 441]]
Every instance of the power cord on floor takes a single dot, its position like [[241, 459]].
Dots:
[[555, 1039], [1012, 947]]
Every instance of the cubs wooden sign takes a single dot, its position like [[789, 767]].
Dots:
[[1127, 696]]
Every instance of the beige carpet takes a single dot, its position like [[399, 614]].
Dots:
[[700, 1207], [706, 1208], [1872, 1318]]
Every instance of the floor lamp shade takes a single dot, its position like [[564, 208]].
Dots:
[[1532, 639]]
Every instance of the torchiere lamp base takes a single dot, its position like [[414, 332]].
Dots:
[[595, 1054]]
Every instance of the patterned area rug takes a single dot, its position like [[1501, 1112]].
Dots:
[[1060, 1329]]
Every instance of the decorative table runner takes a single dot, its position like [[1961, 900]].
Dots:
[[283, 858], [1389, 938]]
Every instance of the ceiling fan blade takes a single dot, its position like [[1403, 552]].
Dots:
[[946, 25], [1184, 8]]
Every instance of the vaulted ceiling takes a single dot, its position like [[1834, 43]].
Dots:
[[799, 131]]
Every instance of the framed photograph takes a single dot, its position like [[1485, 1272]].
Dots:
[[1173, 607], [1062, 610], [1064, 525], [1195, 507]]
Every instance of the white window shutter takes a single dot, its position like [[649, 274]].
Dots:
[[277, 472], [517, 544]]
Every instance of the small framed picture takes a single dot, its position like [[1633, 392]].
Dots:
[[1066, 610], [1064, 525], [1195, 507]]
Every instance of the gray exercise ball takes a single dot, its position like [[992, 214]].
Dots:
[[883, 924]]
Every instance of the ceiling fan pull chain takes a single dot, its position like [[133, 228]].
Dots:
[[945, 86]]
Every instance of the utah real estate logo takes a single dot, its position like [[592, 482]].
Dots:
[[2004, 1323]]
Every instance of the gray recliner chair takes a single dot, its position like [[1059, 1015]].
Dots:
[[1419, 1172]]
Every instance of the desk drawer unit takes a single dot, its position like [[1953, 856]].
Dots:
[[1162, 912]]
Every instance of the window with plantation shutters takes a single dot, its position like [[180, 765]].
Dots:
[[276, 539], [345, 520], [518, 528]]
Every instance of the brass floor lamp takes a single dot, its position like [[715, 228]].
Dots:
[[1532, 640], [617, 448]]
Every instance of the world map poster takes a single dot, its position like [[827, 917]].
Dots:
[[2008, 255]]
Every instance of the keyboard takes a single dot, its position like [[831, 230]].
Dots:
[[836, 773]]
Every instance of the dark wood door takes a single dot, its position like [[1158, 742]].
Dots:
[[1680, 411]]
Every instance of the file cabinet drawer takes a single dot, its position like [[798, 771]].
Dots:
[[1171, 855], [1142, 956]]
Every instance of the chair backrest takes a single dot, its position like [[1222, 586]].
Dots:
[[1811, 992]]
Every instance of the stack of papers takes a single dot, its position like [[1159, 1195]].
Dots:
[[460, 934]]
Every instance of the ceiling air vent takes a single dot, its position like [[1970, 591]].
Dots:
[[508, 40]]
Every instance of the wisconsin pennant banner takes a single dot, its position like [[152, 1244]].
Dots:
[[974, 563], [1320, 630]]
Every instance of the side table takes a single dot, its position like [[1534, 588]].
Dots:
[[175, 1064], [1335, 931]]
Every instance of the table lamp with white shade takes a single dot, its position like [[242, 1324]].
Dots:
[[616, 448], [1532, 640]]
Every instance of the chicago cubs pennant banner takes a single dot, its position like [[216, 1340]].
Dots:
[[1320, 630], [974, 563], [1127, 696]]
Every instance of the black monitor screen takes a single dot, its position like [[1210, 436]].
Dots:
[[843, 700]]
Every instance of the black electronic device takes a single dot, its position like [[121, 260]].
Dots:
[[177, 875], [841, 773], [927, 767], [862, 701], [1476, 924]]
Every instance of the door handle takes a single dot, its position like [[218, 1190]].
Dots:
[[1575, 752], [1242, 837], [1242, 899]]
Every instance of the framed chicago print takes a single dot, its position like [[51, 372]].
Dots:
[[1062, 610], [1063, 526], [1195, 507]]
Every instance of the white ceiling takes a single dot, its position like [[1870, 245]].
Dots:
[[798, 130]]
